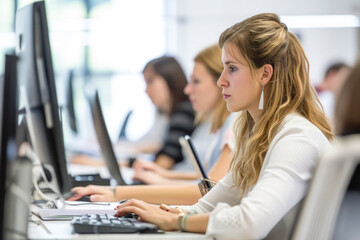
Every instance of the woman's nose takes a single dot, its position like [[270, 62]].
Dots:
[[222, 82], [187, 89]]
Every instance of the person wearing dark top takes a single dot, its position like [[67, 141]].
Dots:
[[181, 124], [165, 82]]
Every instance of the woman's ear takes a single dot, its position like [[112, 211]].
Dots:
[[266, 74]]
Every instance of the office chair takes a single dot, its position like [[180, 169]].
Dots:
[[122, 134], [319, 216]]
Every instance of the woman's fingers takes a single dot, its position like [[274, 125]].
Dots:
[[149, 213], [134, 202], [74, 197], [175, 210], [130, 209], [99, 198], [97, 193], [141, 176]]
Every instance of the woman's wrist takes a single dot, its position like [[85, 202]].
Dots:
[[113, 190], [174, 222], [182, 218]]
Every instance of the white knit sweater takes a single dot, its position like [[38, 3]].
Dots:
[[268, 210]]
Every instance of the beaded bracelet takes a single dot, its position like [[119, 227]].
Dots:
[[179, 221], [182, 219]]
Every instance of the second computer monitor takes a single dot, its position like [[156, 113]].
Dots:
[[36, 79]]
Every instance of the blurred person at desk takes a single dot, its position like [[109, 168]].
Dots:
[[347, 128], [165, 81], [213, 121], [206, 99], [347, 114], [347, 106]]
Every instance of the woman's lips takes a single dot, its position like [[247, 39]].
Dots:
[[226, 96]]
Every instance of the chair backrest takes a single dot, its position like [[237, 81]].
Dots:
[[320, 210], [122, 134]]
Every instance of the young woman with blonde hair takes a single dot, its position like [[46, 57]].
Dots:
[[212, 118], [279, 136]]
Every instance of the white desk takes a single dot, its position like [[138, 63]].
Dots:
[[63, 230]]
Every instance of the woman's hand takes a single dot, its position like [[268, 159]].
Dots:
[[144, 165], [150, 177], [97, 193], [165, 220]]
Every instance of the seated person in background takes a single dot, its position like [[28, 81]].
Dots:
[[165, 82], [347, 114], [280, 134], [347, 120], [212, 118], [206, 99], [328, 88]]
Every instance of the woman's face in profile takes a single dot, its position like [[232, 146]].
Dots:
[[157, 90], [238, 86], [202, 89]]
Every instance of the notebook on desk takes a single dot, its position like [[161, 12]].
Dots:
[[66, 210]]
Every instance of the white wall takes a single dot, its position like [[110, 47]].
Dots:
[[199, 23]]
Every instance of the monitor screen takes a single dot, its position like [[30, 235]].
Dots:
[[103, 137], [36, 77], [70, 105], [15, 172]]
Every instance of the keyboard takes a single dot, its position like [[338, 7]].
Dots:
[[105, 223]]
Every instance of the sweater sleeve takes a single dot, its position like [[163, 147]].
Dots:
[[181, 123]]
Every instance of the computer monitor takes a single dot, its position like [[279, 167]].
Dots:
[[70, 105], [190, 150], [36, 77], [15, 172], [103, 137]]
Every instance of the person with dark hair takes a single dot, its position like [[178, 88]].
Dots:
[[279, 135], [165, 82]]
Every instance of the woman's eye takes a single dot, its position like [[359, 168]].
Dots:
[[196, 81], [232, 69]]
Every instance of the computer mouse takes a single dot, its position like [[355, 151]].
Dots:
[[68, 195], [84, 198]]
